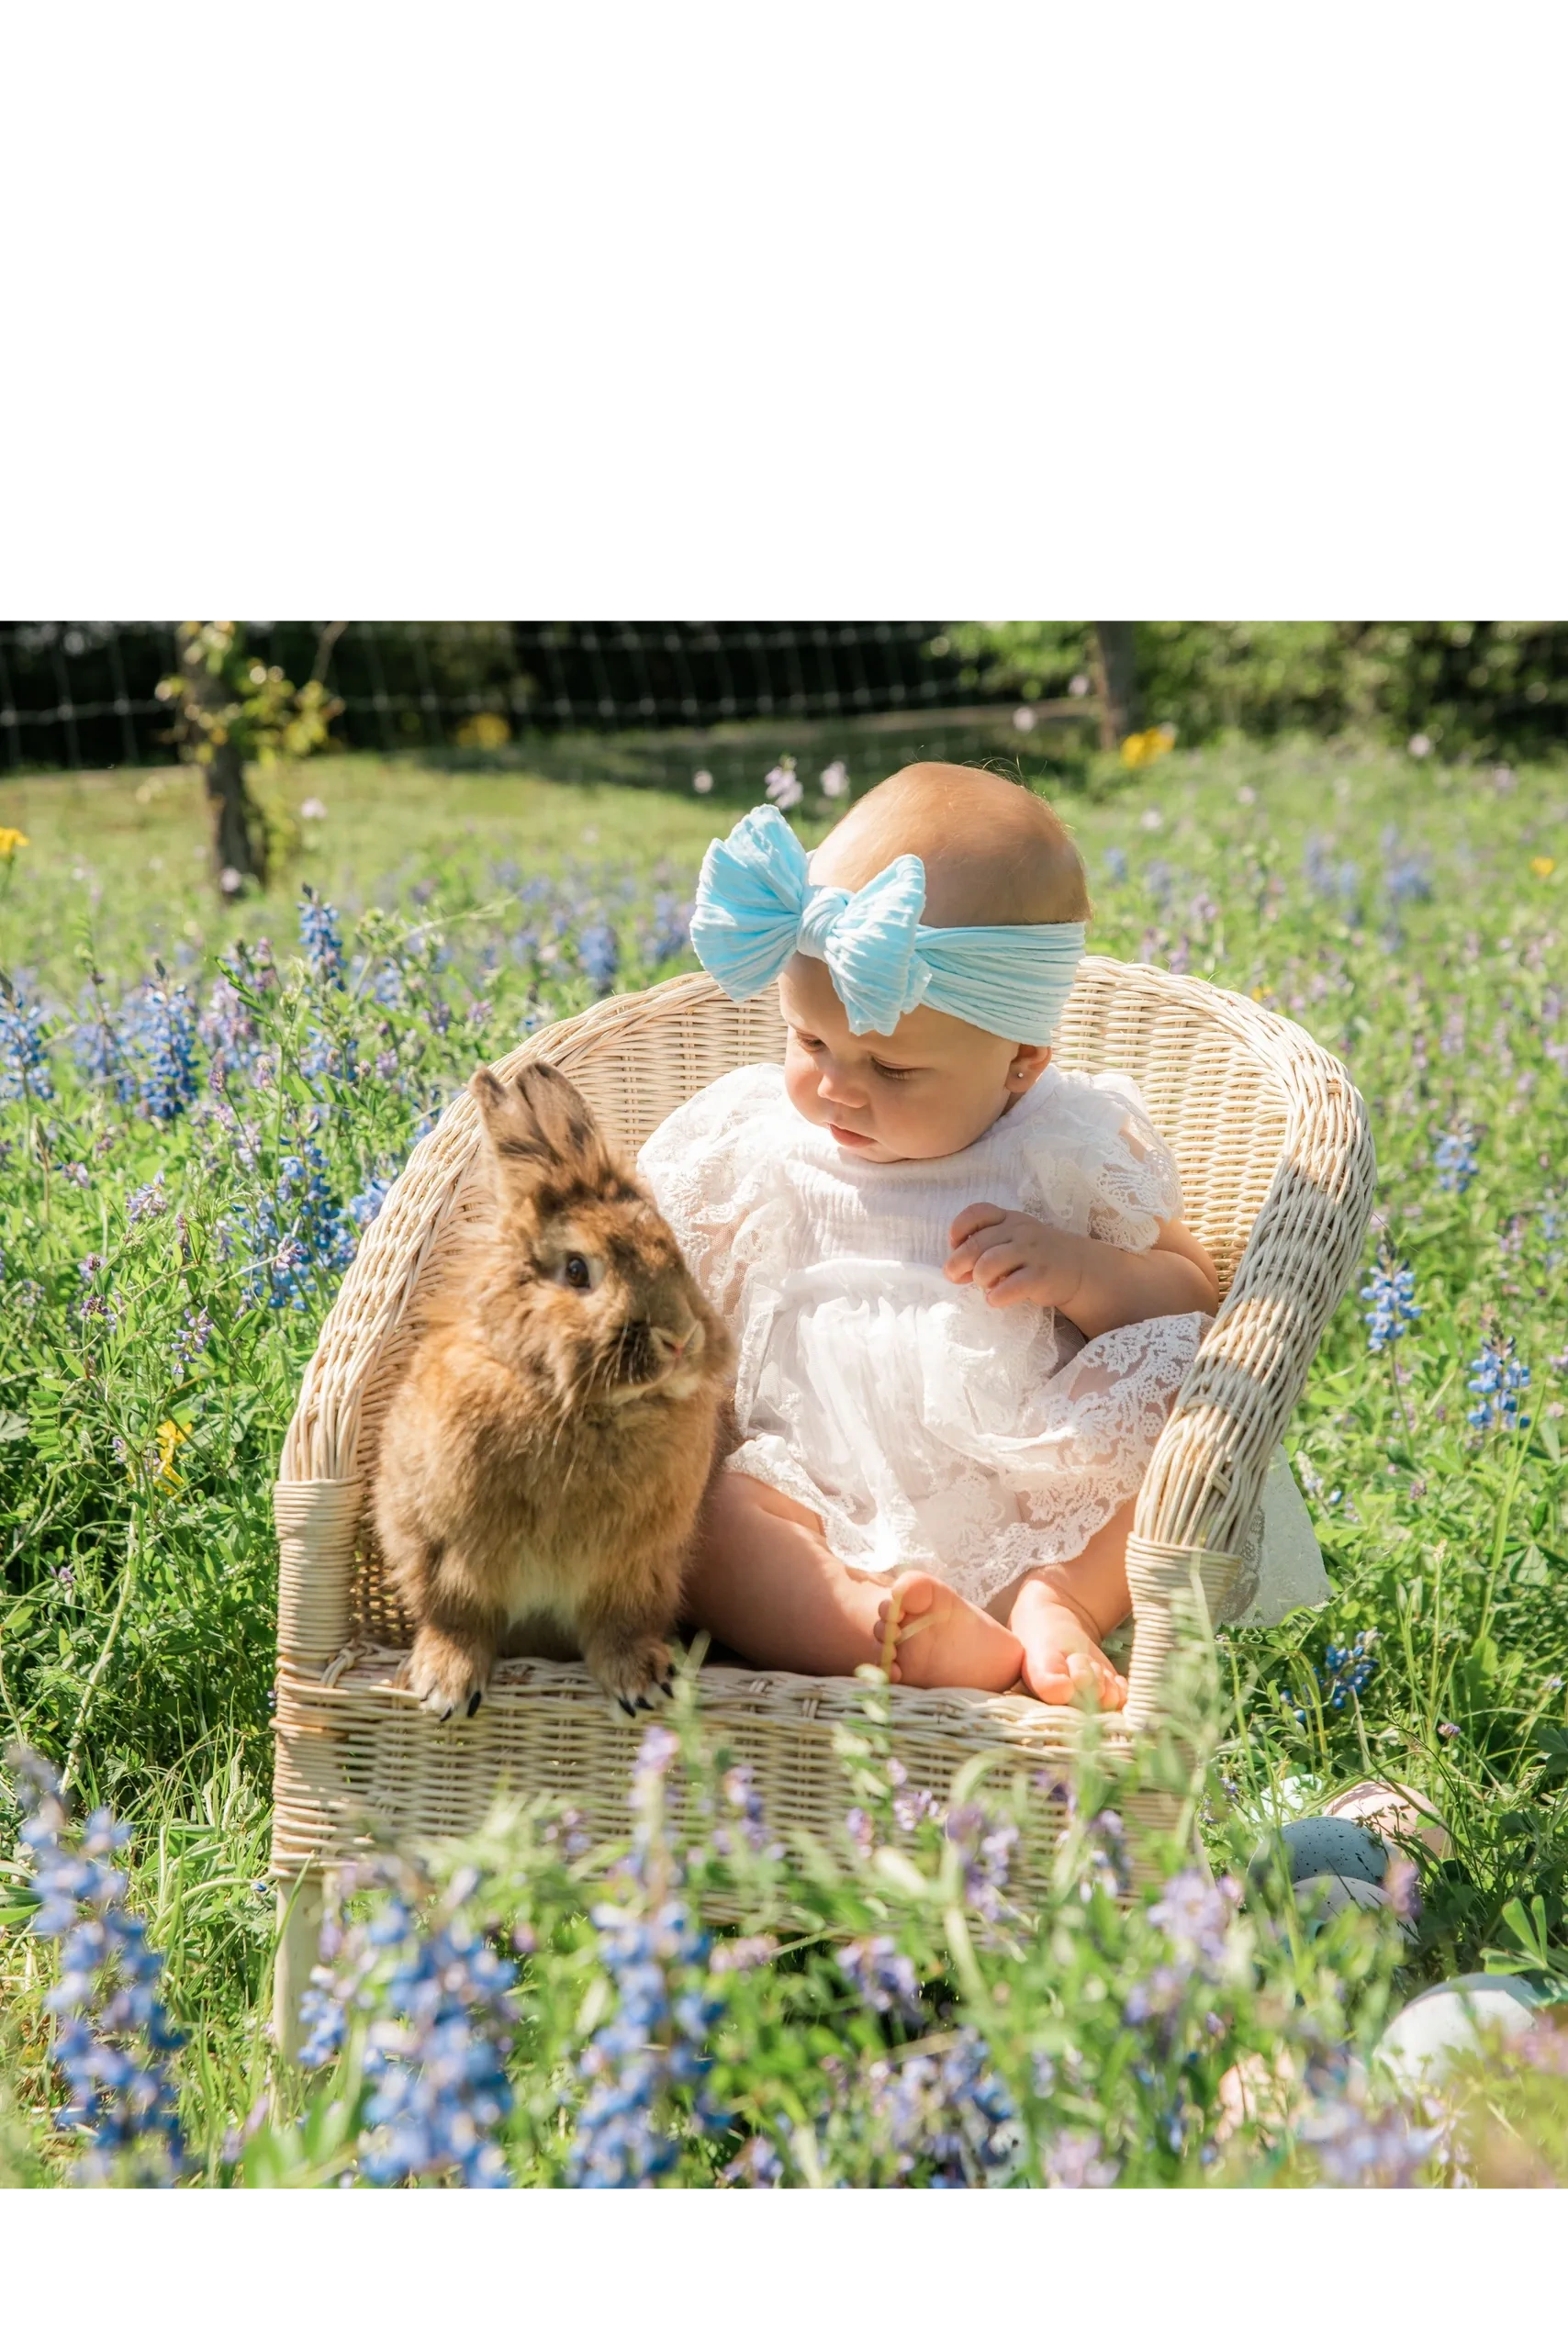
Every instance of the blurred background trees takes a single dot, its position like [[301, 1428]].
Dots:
[[76, 693]]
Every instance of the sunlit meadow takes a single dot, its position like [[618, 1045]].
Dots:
[[200, 1111]]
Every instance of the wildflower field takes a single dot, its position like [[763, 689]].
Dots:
[[200, 1109]]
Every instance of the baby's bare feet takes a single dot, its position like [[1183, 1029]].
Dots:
[[1063, 1663], [932, 1639]]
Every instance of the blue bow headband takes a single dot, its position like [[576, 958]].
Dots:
[[757, 906]]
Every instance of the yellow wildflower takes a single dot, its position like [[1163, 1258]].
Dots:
[[10, 842], [1543, 866], [1139, 750], [486, 731], [171, 1436]]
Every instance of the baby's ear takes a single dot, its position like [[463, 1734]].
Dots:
[[542, 1135]]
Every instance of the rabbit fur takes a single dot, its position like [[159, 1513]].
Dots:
[[544, 1459]]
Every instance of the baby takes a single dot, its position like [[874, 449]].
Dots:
[[959, 1280]]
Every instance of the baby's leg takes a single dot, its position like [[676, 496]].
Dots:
[[763, 1579], [1061, 1613]]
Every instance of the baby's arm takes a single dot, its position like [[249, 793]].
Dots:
[[1017, 1260]]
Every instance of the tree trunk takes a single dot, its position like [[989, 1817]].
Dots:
[[1115, 663], [238, 834]]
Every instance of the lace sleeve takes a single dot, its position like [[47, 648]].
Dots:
[[1137, 1187], [703, 1167]]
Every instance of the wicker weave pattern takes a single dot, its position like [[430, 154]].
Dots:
[[1276, 1162]]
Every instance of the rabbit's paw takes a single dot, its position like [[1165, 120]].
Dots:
[[633, 1669], [446, 1674]]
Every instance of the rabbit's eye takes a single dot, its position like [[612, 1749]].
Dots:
[[576, 1273]]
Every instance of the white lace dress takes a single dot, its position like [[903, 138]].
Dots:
[[925, 1427]]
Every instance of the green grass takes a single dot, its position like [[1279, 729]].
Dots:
[[136, 1623]]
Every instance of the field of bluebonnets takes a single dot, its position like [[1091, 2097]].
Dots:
[[200, 1109]]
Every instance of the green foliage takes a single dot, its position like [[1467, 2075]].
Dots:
[[1466, 686], [1419, 936], [225, 696]]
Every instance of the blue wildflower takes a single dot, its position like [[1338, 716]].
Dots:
[[291, 1236], [599, 953], [1498, 1381], [1456, 1162], [653, 2048], [365, 1207], [112, 2037], [881, 1977], [24, 1056], [321, 939], [1392, 1308], [162, 1033], [1116, 866]]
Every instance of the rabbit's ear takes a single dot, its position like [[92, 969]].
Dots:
[[541, 1131]]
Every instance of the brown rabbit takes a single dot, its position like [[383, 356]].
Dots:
[[545, 1457]]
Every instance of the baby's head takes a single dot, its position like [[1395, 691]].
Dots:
[[994, 853]]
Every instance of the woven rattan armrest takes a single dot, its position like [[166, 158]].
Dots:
[[1203, 1484]]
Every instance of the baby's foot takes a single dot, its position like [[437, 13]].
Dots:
[[930, 1639], [1062, 1661]]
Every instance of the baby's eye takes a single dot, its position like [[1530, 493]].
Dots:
[[811, 1043], [882, 1071]]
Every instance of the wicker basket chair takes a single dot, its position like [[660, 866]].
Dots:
[[1276, 1162]]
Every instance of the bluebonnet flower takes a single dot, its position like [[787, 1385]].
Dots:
[[985, 1848], [147, 1199], [288, 1237], [225, 1026], [1392, 1308], [437, 2009], [911, 1805], [1498, 1381], [24, 1053], [949, 2118], [367, 1205], [1345, 1672], [100, 1050], [654, 2047], [1116, 866], [1355, 2147], [669, 931], [756, 2165], [882, 1977], [740, 1792], [1194, 1915], [161, 1031], [1456, 1162], [112, 2038], [599, 953], [1405, 875], [96, 1305], [326, 1056], [192, 1339], [321, 939]]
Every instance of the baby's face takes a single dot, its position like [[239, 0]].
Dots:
[[930, 1089]]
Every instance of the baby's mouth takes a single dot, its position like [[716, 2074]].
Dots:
[[848, 1135]]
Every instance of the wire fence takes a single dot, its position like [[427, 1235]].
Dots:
[[84, 693]]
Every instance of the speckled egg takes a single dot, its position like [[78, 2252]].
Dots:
[[1322, 1847], [1452, 2020]]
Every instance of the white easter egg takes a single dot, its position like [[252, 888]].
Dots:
[[1325, 1896], [1449, 2021]]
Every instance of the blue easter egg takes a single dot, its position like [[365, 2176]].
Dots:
[[1323, 1847]]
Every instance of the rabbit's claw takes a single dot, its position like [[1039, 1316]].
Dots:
[[447, 1676], [636, 1673]]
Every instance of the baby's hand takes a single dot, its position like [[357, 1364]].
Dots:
[[1016, 1259]]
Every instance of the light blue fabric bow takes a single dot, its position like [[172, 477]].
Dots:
[[757, 906]]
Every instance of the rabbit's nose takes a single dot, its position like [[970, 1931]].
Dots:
[[690, 1340]]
